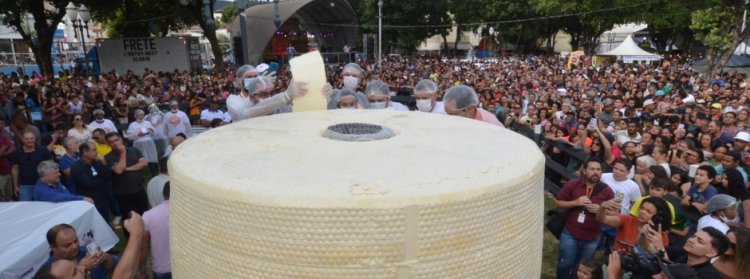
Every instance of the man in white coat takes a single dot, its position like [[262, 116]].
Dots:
[[103, 123], [426, 94], [175, 122]]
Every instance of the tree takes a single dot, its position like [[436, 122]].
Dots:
[[46, 15], [228, 14], [143, 18], [465, 12], [585, 20], [523, 34], [669, 22], [720, 28], [414, 21], [206, 21]]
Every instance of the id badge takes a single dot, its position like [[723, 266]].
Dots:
[[581, 217]]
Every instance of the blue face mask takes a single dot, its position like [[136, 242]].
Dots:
[[377, 105], [246, 84]]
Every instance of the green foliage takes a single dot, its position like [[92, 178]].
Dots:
[[585, 28], [145, 18], [228, 14], [423, 13], [711, 26]]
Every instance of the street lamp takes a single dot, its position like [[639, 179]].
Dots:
[[79, 18]]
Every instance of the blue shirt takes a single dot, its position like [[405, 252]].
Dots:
[[97, 273], [58, 193], [701, 197], [65, 163]]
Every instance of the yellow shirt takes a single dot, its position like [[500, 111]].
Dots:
[[102, 148], [636, 208]]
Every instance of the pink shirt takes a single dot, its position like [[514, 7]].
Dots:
[[486, 116], [156, 221]]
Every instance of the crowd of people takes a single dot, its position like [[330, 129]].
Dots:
[[667, 147]]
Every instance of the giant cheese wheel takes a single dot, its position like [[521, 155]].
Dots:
[[284, 196]]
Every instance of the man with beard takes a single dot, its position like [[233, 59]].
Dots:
[[581, 198]]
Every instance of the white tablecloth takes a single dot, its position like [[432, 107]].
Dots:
[[24, 226]]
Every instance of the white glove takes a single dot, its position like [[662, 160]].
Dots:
[[271, 76], [296, 89], [327, 90]]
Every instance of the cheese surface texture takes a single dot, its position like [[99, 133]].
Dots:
[[271, 197]]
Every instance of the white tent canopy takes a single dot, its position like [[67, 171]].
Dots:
[[628, 51]]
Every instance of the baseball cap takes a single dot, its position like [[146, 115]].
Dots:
[[262, 67], [648, 102], [716, 105], [659, 93], [743, 136]]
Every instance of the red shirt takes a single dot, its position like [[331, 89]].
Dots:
[[628, 232], [590, 228]]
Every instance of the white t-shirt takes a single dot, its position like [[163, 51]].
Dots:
[[629, 189], [710, 221]]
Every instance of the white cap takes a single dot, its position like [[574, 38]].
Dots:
[[262, 67], [743, 136], [648, 102]]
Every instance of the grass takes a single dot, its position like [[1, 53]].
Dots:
[[549, 250]]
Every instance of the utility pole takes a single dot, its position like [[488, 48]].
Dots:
[[380, 33]]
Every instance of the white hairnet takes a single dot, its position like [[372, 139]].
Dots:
[[241, 74], [426, 86], [377, 87], [252, 85], [720, 202], [462, 95], [353, 66], [346, 92]]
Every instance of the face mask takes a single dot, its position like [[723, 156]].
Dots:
[[724, 219], [174, 110], [350, 82], [182, 88], [347, 107], [377, 105], [424, 105]]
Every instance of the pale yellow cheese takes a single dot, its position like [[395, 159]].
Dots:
[[446, 197], [309, 68]]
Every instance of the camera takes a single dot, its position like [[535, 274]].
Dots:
[[640, 262]]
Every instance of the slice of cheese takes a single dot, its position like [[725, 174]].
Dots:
[[445, 197], [310, 68]]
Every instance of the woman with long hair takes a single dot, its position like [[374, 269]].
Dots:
[[705, 142], [743, 119], [653, 212], [79, 129], [734, 180], [735, 263]]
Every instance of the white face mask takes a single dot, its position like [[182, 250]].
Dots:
[[182, 88], [174, 110], [424, 105], [351, 82], [724, 219], [377, 105]]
